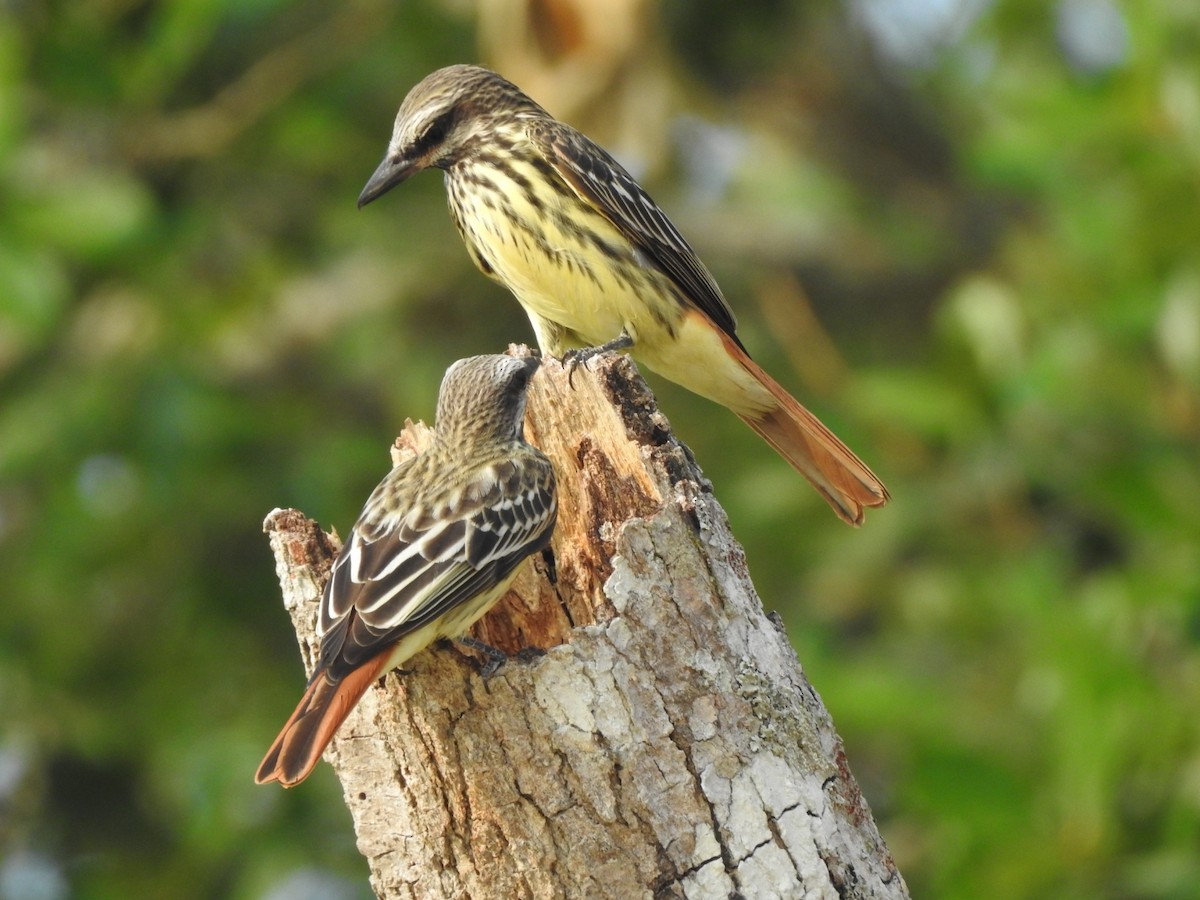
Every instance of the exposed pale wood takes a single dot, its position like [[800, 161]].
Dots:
[[667, 744]]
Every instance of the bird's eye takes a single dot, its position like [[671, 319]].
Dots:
[[435, 132]]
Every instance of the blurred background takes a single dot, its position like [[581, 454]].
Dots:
[[965, 232]]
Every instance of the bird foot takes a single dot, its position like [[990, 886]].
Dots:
[[495, 657], [573, 359], [529, 654]]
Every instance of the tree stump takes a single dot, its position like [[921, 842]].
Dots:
[[666, 744]]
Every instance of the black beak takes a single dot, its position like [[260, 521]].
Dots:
[[389, 174]]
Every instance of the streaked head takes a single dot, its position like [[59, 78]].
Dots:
[[483, 398], [438, 120]]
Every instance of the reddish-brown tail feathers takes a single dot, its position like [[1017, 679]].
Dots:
[[813, 450], [312, 726]]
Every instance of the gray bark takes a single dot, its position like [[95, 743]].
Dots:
[[667, 744]]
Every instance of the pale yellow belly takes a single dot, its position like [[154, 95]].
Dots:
[[560, 276], [453, 625], [578, 296]]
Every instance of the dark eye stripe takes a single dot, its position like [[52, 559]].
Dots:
[[434, 134]]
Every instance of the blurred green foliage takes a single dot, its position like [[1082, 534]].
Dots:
[[994, 214]]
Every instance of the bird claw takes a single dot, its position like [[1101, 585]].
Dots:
[[495, 657], [573, 359], [491, 667], [529, 654], [569, 364]]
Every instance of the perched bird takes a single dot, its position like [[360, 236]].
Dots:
[[594, 261], [437, 544]]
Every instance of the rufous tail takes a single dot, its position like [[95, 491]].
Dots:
[[813, 450], [321, 711]]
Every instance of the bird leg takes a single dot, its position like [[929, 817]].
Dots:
[[495, 657], [572, 359]]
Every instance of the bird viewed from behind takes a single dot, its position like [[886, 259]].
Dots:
[[436, 545], [594, 261]]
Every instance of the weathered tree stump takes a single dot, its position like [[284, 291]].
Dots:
[[667, 743]]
